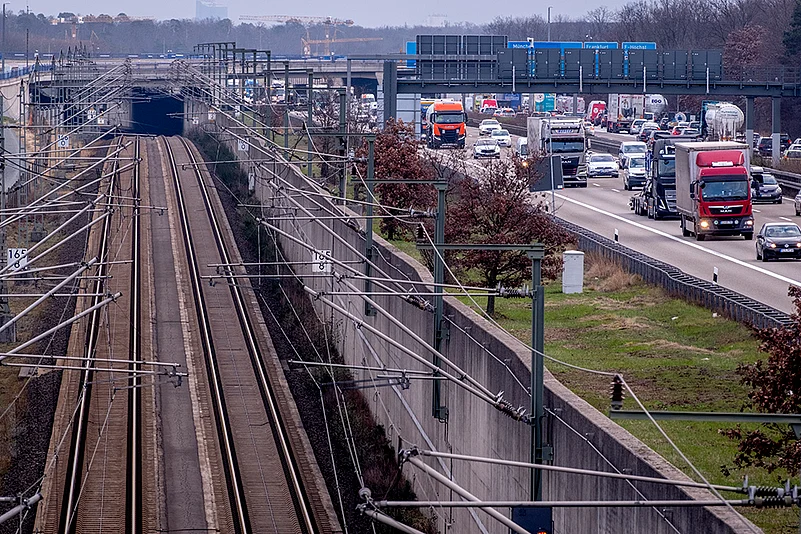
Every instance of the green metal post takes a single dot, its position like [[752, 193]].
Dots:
[[537, 371], [343, 185], [438, 410], [368, 226]]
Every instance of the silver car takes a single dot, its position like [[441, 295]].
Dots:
[[486, 148], [602, 165], [503, 137]]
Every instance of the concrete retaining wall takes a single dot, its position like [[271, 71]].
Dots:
[[581, 436]]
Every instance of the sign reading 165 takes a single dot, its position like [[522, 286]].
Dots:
[[16, 260]]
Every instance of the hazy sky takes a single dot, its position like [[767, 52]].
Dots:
[[379, 13]]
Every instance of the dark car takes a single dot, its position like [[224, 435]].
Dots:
[[778, 240], [663, 123], [764, 187], [765, 147], [785, 141], [645, 133]]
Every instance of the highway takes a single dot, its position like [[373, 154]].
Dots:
[[603, 207]]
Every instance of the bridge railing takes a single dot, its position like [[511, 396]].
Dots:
[[17, 72], [747, 74]]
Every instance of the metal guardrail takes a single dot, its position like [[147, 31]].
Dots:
[[680, 284], [24, 71]]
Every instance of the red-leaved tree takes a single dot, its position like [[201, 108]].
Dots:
[[496, 207], [775, 388], [397, 157]]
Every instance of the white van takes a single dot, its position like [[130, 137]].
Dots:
[[521, 148], [627, 148]]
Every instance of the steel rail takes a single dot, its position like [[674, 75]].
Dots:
[[72, 487], [133, 488], [291, 467], [231, 468]]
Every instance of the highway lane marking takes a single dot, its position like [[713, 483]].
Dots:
[[757, 211], [615, 190], [788, 219], [682, 241], [597, 185]]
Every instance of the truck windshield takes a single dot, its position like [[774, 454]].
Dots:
[[725, 190], [637, 163], [448, 118], [666, 167], [567, 146]]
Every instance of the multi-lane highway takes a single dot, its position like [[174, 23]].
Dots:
[[603, 208]]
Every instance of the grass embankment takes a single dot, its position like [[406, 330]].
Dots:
[[676, 356]]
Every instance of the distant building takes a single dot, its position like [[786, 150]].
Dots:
[[437, 20], [210, 10]]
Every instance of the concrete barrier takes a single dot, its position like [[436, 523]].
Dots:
[[581, 436]]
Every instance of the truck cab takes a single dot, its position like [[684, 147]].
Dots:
[[563, 136], [713, 192], [445, 124]]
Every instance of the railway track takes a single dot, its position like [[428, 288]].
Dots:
[[253, 438], [97, 394], [133, 454]]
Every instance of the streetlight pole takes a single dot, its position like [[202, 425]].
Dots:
[[3, 66], [549, 23]]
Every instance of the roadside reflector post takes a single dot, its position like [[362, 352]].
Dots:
[[617, 237], [715, 275]]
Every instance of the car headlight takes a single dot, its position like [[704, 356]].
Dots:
[[779, 190], [798, 245], [772, 245], [749, 222], [704, 223]]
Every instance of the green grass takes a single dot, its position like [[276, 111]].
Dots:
[[675, 356]]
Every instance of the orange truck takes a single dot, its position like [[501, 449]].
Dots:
[[445, 124]]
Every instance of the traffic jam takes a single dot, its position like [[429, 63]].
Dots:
[[694, 167]]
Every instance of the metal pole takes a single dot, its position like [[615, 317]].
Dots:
[[466, 495], [381, 518], [24, 505], [537, 371], [5, 310], [286, 108], [368, 227], [268, 89], [776, 151], [343, 102], [549, 23], [309, 121], [53, 291], [749, 125], [4, 38], [68, 322], [438, 410]]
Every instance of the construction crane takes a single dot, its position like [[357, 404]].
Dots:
[[305, 43]]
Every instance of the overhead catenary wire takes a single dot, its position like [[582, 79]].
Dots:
[[565, 363]]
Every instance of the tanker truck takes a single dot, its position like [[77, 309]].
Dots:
[[722, 121]]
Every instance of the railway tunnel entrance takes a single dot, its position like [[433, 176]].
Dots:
[[157, 113]]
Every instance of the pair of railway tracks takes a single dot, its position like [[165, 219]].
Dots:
[[263, 479], [76, 468]]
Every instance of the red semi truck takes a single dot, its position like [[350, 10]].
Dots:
[[713, 189]]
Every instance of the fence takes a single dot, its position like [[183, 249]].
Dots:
[[680, 284]]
